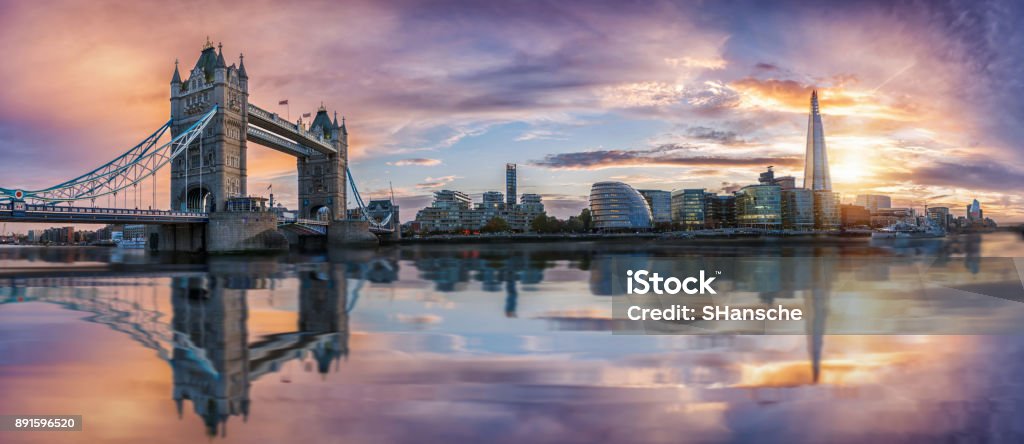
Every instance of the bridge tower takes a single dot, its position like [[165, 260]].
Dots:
[[322, 179], [210, 361], [214, 167], [323, 309]]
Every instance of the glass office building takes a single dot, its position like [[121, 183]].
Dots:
[[826, 210], [797, 209], [759, 206], [939, 215], [719, 211], [661, 205], [873, 202], [617, 206], [688, 208]]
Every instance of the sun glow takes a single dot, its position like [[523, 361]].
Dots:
[[849, 161]]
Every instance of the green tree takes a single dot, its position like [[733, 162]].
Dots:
[[496, 225], [547, 224], [555, 225], [539, 224], [586, 219], [574, 225]]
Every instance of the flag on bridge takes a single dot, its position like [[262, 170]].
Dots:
[[283, 102], [307, 114]]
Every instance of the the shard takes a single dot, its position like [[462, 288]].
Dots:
[[816, 175]]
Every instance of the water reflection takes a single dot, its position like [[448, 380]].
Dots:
[[214, 360], [500, 356]]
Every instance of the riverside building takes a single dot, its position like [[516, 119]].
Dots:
[[688, 208], [873, 201], [661, 205], [719, 211], [616, 206], [797, 209], [759, 206], [454, 212], [826, 210]]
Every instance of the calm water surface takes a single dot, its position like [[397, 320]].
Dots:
[[505, 343]]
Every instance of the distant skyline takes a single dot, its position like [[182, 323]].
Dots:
[[920, 100]]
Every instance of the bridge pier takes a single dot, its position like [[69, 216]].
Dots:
[[350, 233], [240, 232], [247, 226], [305, 242], [188, 238]]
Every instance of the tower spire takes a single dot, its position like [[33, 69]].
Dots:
[[816, 171], [176, 78], [241, 66], [220, 56]]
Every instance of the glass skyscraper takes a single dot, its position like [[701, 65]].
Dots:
[[510, 185], [816, 175]]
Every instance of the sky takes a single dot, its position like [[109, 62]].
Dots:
[[921, 100]]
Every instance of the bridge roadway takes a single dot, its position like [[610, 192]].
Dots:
[[21, 212], [269, 129]]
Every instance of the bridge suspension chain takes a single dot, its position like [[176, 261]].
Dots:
[[384, 224], [124, 172]]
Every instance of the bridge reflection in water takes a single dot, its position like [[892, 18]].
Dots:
[[214, 362], [207, 341]]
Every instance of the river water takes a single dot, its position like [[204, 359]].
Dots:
[[513, 342]]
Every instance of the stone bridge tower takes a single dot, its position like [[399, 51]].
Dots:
[[323, 310], [214, 168], [322, 177]]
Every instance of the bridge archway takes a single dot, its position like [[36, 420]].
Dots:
[[322, 213], [200, 199]]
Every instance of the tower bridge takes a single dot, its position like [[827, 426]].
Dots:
[[211, 124]]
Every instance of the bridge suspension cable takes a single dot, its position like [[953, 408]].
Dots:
[[124, 172], [381, 225]]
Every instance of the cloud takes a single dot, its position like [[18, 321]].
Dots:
[[436, 182], [721, 137], [730, 187], [661, 156], [418, 161], [706, 96], [691, 62], [541, 135], [564, 205], [965, 174]]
